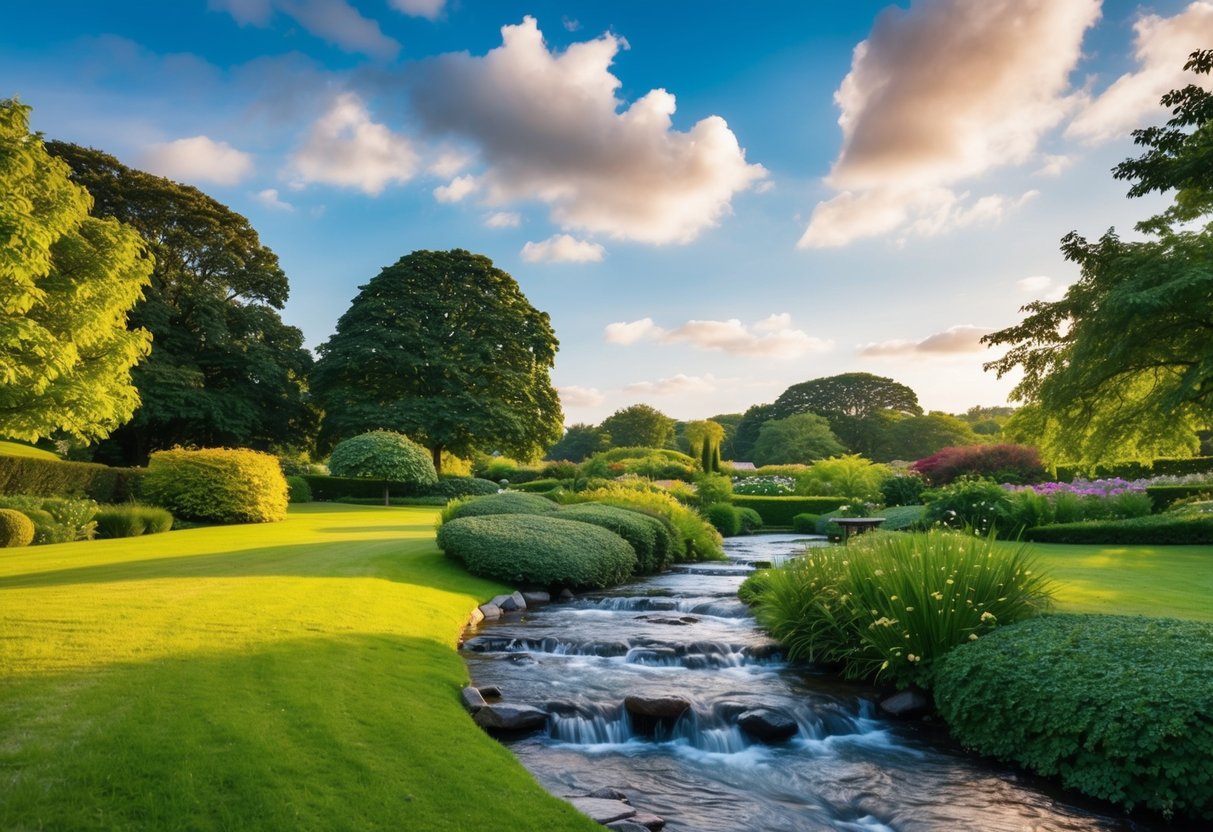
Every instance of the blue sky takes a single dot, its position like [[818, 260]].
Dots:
[[712, 200]]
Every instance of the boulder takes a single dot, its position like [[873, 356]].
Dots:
[[536, 599], [766, 725], [490, 692], [602, 811], [490, 611], [907, 704], [566, 594], [472, 700], [476, 617], [607, 793], [510, 718], [510, 603], [657, 707], [647, 820]]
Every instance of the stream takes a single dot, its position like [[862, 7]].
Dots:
[[684, 633]]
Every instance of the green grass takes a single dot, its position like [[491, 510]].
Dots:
[[297, 675], [17, 449], [1166, 581]]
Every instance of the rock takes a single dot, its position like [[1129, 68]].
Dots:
[[628, 825], [510, 718], [681, 621], [766, 725], [518, 599], [472, 699], [657, 707], [602, 811], [510, 603], [609, 649], [647, 820], [476, 617], [906, 704], [608, 793], [764, 650], [490, 611], [490, 692], [536, 599], [566, 594]]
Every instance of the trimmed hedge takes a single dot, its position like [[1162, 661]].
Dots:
[[1155, 529], [298, 491], [510, 502], [650, 538], [70, 518], [726, 517], [224, 485], [452, 487], [533, 550], [132, 520], [329, 489], [15, 528], [1162, 496], [805, 523], [1139, 470], [1117, 707], [538, 486], [56, 478], [780, 511], [751, 521]]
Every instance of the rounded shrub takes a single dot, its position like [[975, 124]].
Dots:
[[15, 528], [221, 485], [1117, 707], [509, 502], [696, 538], [298, 490], [46, 528], [383, 455], [751, 520], [650, 538], [540, 551], [805, 523], [725, 517], [451, 487]]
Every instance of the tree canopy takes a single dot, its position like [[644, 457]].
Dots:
[[859, 406], [1122, 366], [579, 442], [803, 438], [445, 348], [224, 369], [748, 426], [639, 426], [914, 437], [67, 284]]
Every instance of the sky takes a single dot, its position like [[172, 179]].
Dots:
[[712, 200]]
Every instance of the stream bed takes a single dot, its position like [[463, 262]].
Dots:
[[685, 634]]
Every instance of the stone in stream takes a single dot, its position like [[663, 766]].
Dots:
[[510, 603], [628, 825], [490, 611], [566, 594], [767, 725], [536, 599], [681, 621], [907, 704], [510, 718], [657, 707], [490, 692], [607, 793], [602, 811], [646, 820], [472, 699]]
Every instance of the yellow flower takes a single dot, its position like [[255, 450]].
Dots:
[[972, 636], [938, 596], [912, 658], [988, 616], [909, 609]]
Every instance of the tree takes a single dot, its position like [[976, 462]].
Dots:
[[224, 369], [639, 426], [703, 438], [67, 284], [443, 347], [383, 455], [1122, 366], [800, 438], [730, 422], [747, 430], [857, 405], [579, 442], [915, 437]]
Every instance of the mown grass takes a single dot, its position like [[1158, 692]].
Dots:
[[297, 675], [17, 449]]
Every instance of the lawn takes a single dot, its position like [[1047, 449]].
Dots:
[[297, 675], [17, 449]]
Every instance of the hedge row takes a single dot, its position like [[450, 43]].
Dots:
[[780, 511], [1163, 496], [328, 489], [653, 542], [1156, 529], [1139, 470], [56, 478]]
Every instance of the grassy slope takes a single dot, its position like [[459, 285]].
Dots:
[[17, 449], [297, 675]]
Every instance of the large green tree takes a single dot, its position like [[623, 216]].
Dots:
[[579, 442], [224, 368], [443, 347], [67, 284], [747, 430], [730, 423], [916, 437], [1122, 366], [857, 405], [801, 438], [639, 426]]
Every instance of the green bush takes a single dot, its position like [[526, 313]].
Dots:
[[1156, 529], [46, 529], [902, 518], [805, 523], [779, 511], [559, 470], [385, 456], [538, 551], [695, 538], [15, 528], [297, 489], [509, 502], [890, 604], [55, 478], [969, 502], [1162, 496], [849, 476], [131, 520], [497, 468], [56, 519], [904, 489], [653, 463], [725, 517], [1141, 470], [713, 488], [751, 521], [538, 486], [223, 485], [648, 536], [451, 487], [1117, 707]]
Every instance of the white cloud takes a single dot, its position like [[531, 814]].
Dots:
[[939, 93], [1054, 165], [198, 159], [772, 337], [548, 126], [270, 199], [1043, 287], [1161, 46], [334, 21], [963, 338], [1035, 283], [503, 219], [429, 9], [345, 148], [561, 248], [631, 333], [458, 188], [449, 162], [680, 383], [574, 396]]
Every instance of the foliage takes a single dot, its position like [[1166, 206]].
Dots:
[[970, 503], [222, 485], [55, 478], [730, 422], [751, 521], [562, 469], [858, 406], [383, 455], [56, 519], [508, 502], [297, 490], [803, 437], [451, 487], [1037, 506], [531, 550], [724, 517], [1162, 496], [902, 518], [713, 488], [891, 604], [904, 488], [765, 486], [638, 426], [130, 520], [1156, 529], [1006, 463], [67, 284], [805, 523], [915, 437], [703, 438], [696, 538], [444, 347], [779, 511], [224, 369], [748, 428], [579, 441], [654, 463], [1137, 469], [497, 468], [1117, 707], [648, 536], [15, 528], [844, 476]]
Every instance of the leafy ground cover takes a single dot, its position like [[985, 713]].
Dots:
[[294, 675]]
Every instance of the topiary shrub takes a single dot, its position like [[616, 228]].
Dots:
[[46, 529], [1117, 707], [132, 520], [751, 521], [805, 523], [539, 551], [451, 487], [297, 489], [221, 485], [15, 528], [386, 456], [725, 517], [650, 537], [509, 502]]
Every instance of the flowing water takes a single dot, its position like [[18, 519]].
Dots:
[[685, 633]]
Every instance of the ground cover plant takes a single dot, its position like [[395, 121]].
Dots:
[[300, 675]]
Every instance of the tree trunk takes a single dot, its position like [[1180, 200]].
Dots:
[[437, 454], [386, 497]]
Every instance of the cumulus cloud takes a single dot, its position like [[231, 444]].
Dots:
[[1043, 287], [680, 383], [1053, 164], [939, 93], [958, 339], [549, 126], [503, 219], [456, 190], [346, 148], [771, 337], [335, 21], [631, 333], [429, 9], [561, 248], [1161, 44], [449, 162], [575, 396], [198, 159], [270, 199]]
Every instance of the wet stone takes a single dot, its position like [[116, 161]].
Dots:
[[647, 820], [472, 699], [768, 725], [907, 704], [607, 793], [658, 707], [490, 611], [603, 811], [508, 718], [536, 599]]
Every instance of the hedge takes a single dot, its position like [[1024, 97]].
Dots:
[[1117, 707], [780, 511], [1163, 495], [509, 502], [223, 485], [539, 486], [1139, 470], [57, 478], [652, 540], [1156, 529], [328, 489], [726, 518], [529, 550], [132, 520]]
